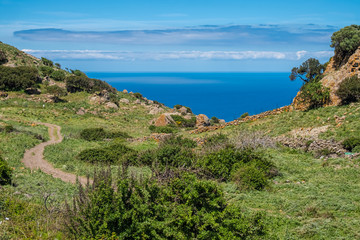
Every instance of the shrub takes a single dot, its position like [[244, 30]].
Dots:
[[5, 172], [161, 129], [244, 115], [78, 73], [182, 122], [351, 143], [56, 91], [349, 90], [249, 177], [18, 78], [46, 70], [179, 141], [47, 62], [3, 58], [183, 208], [97, 134], [314, 94], [58, 75], [109, 154], [85, 84], [214, 120], [138, 95], [7, 128]]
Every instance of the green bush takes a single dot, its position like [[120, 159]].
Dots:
[[314, 94], [249, 177], [18, 78], [58, 75], [183, 208], [182, 122], [221, 164], [109, 154], [7, 129], [138, 95], [349, 90], [161, 129], [3, 58], [214, 120], [5, 172], [244, 115], [46, 71], [47, 62], [351, 143], [218, 139], [98, 134], [85, 84]]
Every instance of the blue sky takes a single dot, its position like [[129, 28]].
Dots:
[[181, 36]]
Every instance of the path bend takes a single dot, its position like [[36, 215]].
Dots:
[[34, 157]]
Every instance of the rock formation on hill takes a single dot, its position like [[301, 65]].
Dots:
[[332, 79]]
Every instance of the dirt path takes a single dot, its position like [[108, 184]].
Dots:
[[34, 157]]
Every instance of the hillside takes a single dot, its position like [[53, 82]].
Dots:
[[164, 173]]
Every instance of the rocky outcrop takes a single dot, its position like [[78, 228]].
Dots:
[[202, 121], [164, 119], [124, 100], [332, 79]]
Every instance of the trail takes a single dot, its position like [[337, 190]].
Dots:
[[34, 157]]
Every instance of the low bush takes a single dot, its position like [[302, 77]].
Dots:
[[97, 134], [18, 78], [7, 128], [58, 75], [138, 95], [214, 120], [47, 62], [249, 177], [182, 122], [183, 208], [109, 154], [351, 143], [84, 84], [314, 94], [162, 129], [244, 115], [46, 71], [5, 172], [3, 58], [349, 90]]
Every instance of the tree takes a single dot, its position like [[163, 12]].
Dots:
[[349, 90], [58, 75], [307, 71], [345, 41]]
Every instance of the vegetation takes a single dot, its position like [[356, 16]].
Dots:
[[162, 129], [349, 90], [5, 172], [3, 58], [58, 75], [182, 122], [351, 143], [345, 41], [85, 84], [308, 70], [18, 78], [314, 94], [214, 120], [97, 134], [244, 115], [47, 62], [110, 154]]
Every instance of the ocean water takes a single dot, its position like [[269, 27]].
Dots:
[[224, 95]]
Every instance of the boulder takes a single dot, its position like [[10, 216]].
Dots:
[[124, 100], [222, 121], [155, 110], [164, 119], [81, 111], [202, 120], [183, 110], [137, 101], [111, 105], [125, 91]]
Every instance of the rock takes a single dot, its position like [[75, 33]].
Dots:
[[188, 116], [125, 91], [155, 110], [124, 100], [150, 101], [137, 101], [164, 119], [202, 120], [81, 111], [32, 91], [222, 121], [111, 105], [183, 110]]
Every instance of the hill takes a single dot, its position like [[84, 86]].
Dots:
[[161, 173]]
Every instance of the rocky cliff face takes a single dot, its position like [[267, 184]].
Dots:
[[332, 79]]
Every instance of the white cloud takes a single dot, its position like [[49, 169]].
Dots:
[[175, 55]]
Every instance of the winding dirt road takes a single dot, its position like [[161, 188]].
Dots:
[[34, 157]]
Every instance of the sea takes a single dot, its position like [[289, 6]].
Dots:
[[224, 95]]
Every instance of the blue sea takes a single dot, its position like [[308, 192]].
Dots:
[[224, 95]]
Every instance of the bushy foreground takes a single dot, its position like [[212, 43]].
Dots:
[[183, 207]]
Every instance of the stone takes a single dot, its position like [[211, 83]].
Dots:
[[111, 105], [183, 110], [124, 100], [164, 120], [222, 121], [81, 111], [137, 101], [3, 94], [202, 120], [125, 91], [155, 110]]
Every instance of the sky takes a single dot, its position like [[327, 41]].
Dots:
[[176, 36]]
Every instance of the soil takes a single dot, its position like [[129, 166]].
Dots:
[[34, 157]]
